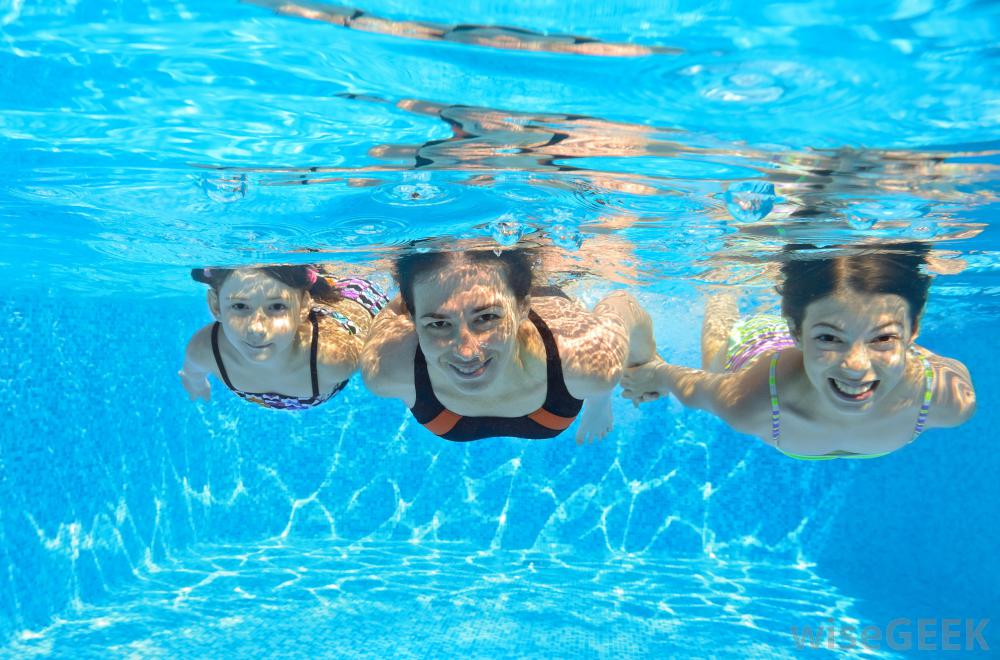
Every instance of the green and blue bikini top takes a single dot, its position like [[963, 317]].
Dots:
[[918, 428]]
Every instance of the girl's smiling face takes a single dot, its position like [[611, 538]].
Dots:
[[260, 316], [467, 320], [854, 348]]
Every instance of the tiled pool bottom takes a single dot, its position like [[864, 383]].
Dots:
[[396, 600]]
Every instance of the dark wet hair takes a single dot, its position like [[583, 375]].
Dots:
[[515, 268], [809, 274], [302, 278]]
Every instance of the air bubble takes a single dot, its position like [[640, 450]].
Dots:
[[861, 221], [506, 231], [413, 194], [225, 189], [922, 229], [567, 237], [750, 201]]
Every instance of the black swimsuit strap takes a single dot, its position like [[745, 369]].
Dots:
[[218, 356], [426, 406], [313, 353], [558, 400]]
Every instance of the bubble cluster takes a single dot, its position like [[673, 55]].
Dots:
[[750, 201]]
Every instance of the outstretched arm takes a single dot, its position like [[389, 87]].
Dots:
[[693, 387], [194, 373], [734, 397], [594, 348], [387, 357], [637, 324]]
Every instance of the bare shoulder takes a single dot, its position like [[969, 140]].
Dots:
[[743, 398], [199, 350], [388, 354], [339, 351], [954, 397], [592, 347]]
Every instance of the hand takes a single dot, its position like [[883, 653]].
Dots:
[[597, 419], [197, 388], [642, 383]]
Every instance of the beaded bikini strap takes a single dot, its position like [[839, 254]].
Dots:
[[345, 322], [928, 394], [772, 384]]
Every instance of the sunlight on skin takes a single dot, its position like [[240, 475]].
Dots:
[[260, 316], [853, 386], [855, 341], [485, 356], [468, 327]]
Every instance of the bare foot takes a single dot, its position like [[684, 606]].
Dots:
[[597, 419]]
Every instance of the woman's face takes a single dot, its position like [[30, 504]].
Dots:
[[854, 348], [467, 321], [260, 316]]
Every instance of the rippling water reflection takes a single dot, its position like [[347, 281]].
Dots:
[[415, 601], [421, 123], [642, 144]]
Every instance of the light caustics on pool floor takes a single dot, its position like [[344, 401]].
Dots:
[[380, 600]]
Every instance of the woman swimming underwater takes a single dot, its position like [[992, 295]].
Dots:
[[475, 350]]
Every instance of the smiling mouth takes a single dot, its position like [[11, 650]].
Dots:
[[853, 391], [259, 348], [471, 371]]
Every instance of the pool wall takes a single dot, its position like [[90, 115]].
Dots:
[[107, 470]]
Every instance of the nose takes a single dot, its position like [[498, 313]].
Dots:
[[467, 346], [257, 326], [856, 359]]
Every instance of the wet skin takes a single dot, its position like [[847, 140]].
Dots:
[[854, 351], [467, 322], [260, 316]]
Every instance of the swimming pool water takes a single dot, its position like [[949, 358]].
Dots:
[[142, 139]]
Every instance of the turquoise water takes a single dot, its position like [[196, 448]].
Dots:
[[142, 139]]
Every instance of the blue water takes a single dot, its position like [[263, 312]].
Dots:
[[678, 151]]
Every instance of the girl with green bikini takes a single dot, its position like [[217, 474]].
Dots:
[[838, 375]]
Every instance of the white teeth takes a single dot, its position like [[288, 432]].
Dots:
[[851, 389]]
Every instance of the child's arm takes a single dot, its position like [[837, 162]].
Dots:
[[693, 387], [194, 373], [739, 398]]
